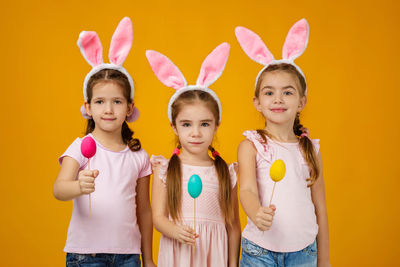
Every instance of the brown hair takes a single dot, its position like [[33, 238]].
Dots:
[[110, 75], [306, 145], [174, 172]]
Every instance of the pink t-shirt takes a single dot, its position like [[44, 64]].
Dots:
[[113, 226], [294, 226]]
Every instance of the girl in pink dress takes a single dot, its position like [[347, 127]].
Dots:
[[213, 238]]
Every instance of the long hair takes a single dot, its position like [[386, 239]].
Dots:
[[110, 75], [305, 143], [174, 171]]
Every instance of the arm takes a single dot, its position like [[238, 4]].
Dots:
[[66, 187], [318, 198], [183, 234], [143, 214], [248, 191], [234, 233]]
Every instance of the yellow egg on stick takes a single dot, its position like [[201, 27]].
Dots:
[[277, 172]]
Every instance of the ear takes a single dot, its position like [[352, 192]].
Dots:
[[87, 108], [91, 49], [256, 103], [253, 46], [165, 70], [296, 40], [302, 103], [130, 109], [174, 129], [121, 42], [213, 65], [216, 128]]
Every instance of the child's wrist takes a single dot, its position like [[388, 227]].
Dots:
[[148, 261]]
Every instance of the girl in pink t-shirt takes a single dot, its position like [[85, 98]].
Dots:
[[111, 223], [213, 238], [288, 231]]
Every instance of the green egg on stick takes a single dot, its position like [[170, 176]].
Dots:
[[195, 186]]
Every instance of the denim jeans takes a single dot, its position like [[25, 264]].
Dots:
[[103, 260], [256, 256]]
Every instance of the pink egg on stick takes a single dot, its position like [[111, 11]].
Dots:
[[88, 150]]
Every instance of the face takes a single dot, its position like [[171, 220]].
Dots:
[[195, 127], [279, 98], [108, 107]]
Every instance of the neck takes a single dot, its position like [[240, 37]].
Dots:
[[200, 159], [111, 140], [281, 132]]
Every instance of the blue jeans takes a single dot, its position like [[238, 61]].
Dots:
[[256, 256], [103, 260]]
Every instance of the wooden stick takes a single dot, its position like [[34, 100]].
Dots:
[[90, 198], [195, 225], [273, 189]]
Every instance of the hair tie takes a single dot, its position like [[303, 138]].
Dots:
[[215, 154], [176, 152], [304, 134]]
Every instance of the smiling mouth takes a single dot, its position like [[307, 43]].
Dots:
[[195, 143], [278, 110], [108, 119]]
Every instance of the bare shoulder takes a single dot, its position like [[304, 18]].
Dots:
[[246, 147]]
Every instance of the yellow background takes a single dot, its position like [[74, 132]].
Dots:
[[352, 69]]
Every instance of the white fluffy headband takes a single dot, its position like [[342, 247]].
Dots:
[[170, 75], [295, 44], [91, 49]]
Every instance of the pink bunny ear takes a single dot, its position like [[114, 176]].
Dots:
[[91, 48], [296, 40], [213, 65], [121, 42], [165, 70], [253, 46]]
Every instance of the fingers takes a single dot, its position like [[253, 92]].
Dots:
[[87, 188], [86, 180], [264, 217], [187, 235], [89, 173], [264, 224]]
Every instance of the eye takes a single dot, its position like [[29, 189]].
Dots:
[[117, 101], [99, 101], [288, 93], [186, 124], [205, 124], [268, 93]]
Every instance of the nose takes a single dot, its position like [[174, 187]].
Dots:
[[196, 131], [278, 99], [108, 108]]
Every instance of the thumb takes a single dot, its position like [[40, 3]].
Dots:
[[95, 173], [273, 207]]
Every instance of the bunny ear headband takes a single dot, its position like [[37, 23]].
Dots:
[[295, 44], [91, 49], [170, 75]]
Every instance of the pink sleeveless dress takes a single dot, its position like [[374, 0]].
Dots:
[[212, 243]]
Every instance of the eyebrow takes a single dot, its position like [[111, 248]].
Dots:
[[207, 120], [102, 97], [285, 87]]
